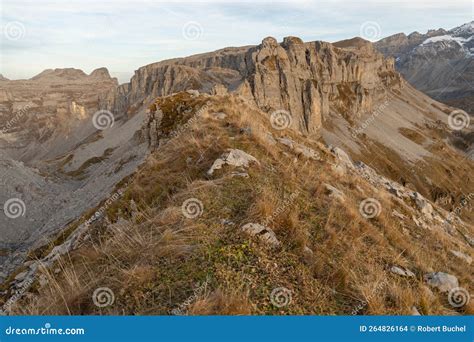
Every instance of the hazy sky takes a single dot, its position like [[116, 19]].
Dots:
[[124, 35]]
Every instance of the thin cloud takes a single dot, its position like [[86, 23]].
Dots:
[[124, 35]]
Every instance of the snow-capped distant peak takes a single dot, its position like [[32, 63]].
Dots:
[[467, 28], [446, 38]]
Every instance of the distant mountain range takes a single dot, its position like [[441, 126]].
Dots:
[[439, 62]]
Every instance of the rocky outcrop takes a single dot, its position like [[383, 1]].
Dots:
[[444, 282], [265, 234], [233, 157], [305, 79]]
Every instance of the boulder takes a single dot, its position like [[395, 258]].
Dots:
[[300, 149], [402, 271], [21, 276], [334, 192], [193, 92], [444, 282], [399, 215], [342, 156], [233, 157], [219, 115], [425, 207], [264, 233], [219, 89], [462, 256]]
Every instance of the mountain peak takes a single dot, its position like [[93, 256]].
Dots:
[[356, 42], [466, 29], [62, 73], [100, 73]]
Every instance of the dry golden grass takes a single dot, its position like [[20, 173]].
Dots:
[[153, 257]]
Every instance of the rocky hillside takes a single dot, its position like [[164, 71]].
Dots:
[[60, 154], [439, 63], [51, 104], [283, 178]]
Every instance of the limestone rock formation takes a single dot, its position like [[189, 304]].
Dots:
[[264, 233], [442, 281], [233, 157], [305, 79]]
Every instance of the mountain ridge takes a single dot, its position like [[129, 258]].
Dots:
[[279, 148], [440, 62]]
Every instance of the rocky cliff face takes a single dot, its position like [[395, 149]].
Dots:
[[50, 104], [439, 63], [54, 160], [308, 80]]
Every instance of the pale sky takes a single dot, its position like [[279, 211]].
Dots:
[[124, 35]]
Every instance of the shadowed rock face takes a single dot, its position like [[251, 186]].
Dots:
[[439, 63], [306, 79]]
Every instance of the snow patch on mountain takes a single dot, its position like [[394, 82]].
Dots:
[[447, 37]]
